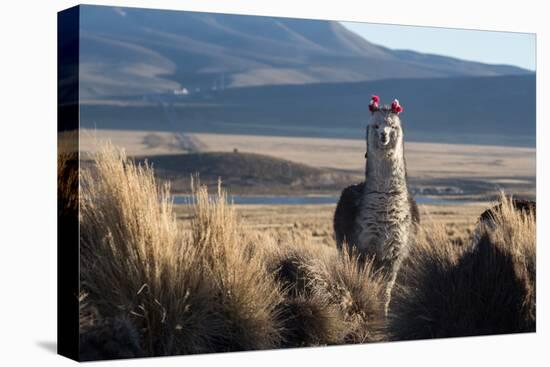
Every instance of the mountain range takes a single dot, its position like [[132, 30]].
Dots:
[[204, 72], [131, 51]]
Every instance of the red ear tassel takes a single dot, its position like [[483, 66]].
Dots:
[[373, 105], [396, 107]]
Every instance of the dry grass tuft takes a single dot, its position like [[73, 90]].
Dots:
[[310, 320], [447, 291], [135, 262], [245, 292], [358, 291], [87, 315], [186, 293], [67, 174], [308, 315], [344, 292]]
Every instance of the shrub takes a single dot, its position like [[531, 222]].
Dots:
[[245, 294], [185, 293], [343, 293], [352, 284], [67, 175], [308, 316], [135, 263], [446, 291]]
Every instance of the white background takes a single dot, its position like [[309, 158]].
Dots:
[[28, 182]]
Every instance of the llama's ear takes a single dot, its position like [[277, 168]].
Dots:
[[373, 105], [396, 107]]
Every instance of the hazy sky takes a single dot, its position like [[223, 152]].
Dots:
[[490, 47]]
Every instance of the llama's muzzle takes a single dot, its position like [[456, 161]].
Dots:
[[384, 139]]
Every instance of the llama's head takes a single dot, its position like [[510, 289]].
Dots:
[[384, 132]]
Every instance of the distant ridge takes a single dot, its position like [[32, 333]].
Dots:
[[242, 172], [496, 110]]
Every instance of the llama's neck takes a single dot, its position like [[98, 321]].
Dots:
[[386, 173]]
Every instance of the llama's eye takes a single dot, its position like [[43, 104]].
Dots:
[[376, 126]]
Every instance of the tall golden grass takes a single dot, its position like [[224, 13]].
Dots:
[[150, 287], [487, 287], [67, 173], [135, 262]]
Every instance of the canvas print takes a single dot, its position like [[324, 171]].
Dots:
[[237, 183]]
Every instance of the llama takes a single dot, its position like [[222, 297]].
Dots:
[[377, 216]]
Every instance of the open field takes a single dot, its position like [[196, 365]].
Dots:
[[215, 277], [424, 160], [315, 221], [137, 143], [474, 172]]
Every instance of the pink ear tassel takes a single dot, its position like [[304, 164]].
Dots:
[[396, 107], [373, 105]]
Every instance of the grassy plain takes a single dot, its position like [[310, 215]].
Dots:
[[424, 160], [484, 168], [151, 286], [315, 221]]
